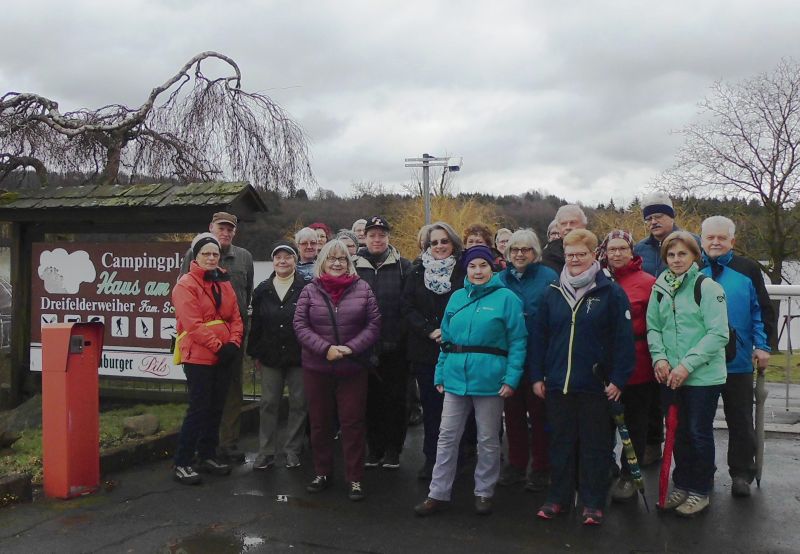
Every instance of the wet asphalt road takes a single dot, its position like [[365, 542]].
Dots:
[[145, 511]]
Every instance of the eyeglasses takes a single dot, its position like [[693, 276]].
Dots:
[[576, 256], [443, 242], [619, 250], [307, 243], [341, 259], [654, 217], [524, 250]]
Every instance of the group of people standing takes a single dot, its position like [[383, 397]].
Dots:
[[504, 337]]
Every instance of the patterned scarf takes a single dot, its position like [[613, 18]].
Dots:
[[674, 281], [438, 272]]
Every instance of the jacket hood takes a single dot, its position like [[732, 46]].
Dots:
[[392, 258], [633, 266], [476, 291], [725, 259]]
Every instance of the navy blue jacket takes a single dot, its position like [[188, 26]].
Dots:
[[749, 310], [650, 251], [568, 342]]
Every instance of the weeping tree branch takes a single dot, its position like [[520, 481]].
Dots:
[[190, 127], [746, 143]]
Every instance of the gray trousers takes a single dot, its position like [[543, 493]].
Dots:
[[456, 409], [272, 382]]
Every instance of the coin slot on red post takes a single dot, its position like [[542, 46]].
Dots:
[[71, 354]]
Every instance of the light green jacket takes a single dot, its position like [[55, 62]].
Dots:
[[681, 332]]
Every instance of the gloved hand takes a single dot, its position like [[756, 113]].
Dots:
[[227, 353]]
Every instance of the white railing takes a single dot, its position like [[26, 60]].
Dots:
[[788, 295]]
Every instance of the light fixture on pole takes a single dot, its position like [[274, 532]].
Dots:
[[426, 162]]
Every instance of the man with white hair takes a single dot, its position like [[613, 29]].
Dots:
[[568, 218], [751, 322], [306, 241], [358, 229]]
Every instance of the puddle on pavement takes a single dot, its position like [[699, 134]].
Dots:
[[214, 542]]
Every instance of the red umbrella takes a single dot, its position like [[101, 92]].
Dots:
[[666, 462]]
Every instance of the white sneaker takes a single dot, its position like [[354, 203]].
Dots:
[[693, 505], [186, 475], [675, 499]]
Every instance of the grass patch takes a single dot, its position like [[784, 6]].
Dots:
[[25, 455], [776, 371]]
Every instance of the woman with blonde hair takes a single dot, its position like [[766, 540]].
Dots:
[[337, 322], [582, 355]]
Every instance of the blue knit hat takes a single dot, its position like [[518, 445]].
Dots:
[[475, 252]]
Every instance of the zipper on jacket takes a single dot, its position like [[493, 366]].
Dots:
[[571, 338], [571, 341]]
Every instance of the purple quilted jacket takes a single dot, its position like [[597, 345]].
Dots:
[[359, 323]]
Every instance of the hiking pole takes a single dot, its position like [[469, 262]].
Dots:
[[760, 398]]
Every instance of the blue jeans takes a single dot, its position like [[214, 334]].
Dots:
[[694, 439]]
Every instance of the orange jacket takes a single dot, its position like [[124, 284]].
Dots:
[[194, 306]]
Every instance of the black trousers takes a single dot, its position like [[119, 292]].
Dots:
[[637, 400], [581, 435], [386, 404], [208, 387], [737, 400], [655, 421]]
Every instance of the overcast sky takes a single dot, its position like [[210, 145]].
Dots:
[[577, 98]]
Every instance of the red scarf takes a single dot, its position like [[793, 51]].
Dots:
[[335, 286]]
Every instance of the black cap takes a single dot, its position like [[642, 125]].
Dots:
[[285, 245], [377, 222]]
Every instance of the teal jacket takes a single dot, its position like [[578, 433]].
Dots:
[[681, 332], [482, 315]]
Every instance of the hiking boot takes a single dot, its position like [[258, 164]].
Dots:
[[214, 467], [263, 463], [186, 475], [549, 510], [740, 488], [318, 484], [425, 473], [483, 505], [292, 461], [390, 460], [652, 454], [537, 481], [356, 493], [592, 516], [372, 460], [624, 490], [232, 455], [511, 475], [430, 506], [695, 504], [675, 499]]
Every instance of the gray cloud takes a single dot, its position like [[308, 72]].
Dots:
[[576, 97]]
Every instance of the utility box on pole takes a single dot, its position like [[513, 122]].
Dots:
[[71, 355]]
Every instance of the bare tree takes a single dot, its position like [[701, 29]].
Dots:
[[747, 144], [368, 188], [190, 127], [441, 183]]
